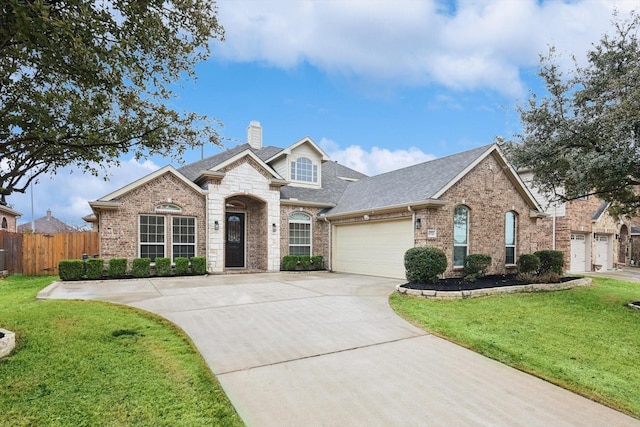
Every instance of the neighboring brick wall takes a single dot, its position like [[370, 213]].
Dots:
[[489, 194], [12, 222], [119, 228]]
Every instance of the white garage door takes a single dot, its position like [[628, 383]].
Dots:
[[602, 251], [373, 248], [578, 253]]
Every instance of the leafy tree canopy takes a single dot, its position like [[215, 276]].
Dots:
[[84, 81], [583, 137]]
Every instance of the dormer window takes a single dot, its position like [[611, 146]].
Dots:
[[304, 170]]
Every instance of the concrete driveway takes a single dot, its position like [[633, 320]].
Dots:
[[325, 349]]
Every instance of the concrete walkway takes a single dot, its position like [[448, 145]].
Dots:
[[326, 349]]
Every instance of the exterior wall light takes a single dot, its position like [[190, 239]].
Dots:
[[273, 227], [418, 223], [216, 225]]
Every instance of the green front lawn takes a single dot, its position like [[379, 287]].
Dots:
[[87, 363], [585, 339]]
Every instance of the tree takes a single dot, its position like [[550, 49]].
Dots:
[[83, 82], [583, 137]]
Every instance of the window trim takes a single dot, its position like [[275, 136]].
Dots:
[[466, 244], [295, 171], [514, 216], [292, 220], [164, 236], [195, 235]]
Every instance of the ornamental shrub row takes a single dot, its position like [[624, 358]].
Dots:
[[93, 268], [302, 262]]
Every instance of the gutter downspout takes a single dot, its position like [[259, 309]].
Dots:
[[330, 242], [553, 232], [413, 223]]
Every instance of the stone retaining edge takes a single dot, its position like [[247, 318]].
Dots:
[[534, 287]]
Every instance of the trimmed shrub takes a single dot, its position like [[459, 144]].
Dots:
[[550, 262], [95, 268], [71, 269], [475, 266], [302, 262], [198, 265], [425, 264], [163, 267], [182, 266], [141, 267], [528, 263], [117, 267]]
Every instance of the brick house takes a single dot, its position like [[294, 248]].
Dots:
[[8, 219], [246, 208], [590, 238]]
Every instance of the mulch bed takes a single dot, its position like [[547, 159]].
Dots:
[[489, 281]]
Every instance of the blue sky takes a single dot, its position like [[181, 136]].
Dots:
[[379, 84]]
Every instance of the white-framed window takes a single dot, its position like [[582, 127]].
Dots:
[[460, 235], [299, 234], [152, 236], [510, 239], [303, 169], [183, 237]]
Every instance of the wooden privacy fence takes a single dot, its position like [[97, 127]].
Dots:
[[39, 254]]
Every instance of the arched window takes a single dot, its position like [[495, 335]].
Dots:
[[460, 235], [304, 170], [299, 234], [510, 233], [4, 223]]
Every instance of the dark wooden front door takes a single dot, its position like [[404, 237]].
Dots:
[[234, 246]]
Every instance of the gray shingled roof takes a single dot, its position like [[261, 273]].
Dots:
[[332, 185], [408, 185], [47, 225], [193, 170], [603, 206]]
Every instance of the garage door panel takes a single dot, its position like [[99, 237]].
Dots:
[[375, 248]]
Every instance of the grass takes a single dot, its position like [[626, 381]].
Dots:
[[87, 363], [585, 339]]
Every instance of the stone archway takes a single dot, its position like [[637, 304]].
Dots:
[[252, 211]]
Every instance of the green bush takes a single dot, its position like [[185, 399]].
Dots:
[[198, 265], [302, 262], [182, 266], [117, 267], [425, 264], [475, 266], [71, 269], [528, 263], [550, 262], [95, 268], [163, 267], [141, 267]]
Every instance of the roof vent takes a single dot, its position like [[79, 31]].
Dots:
[[254, 135]]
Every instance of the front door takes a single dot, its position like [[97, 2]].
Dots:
[[234, 246]]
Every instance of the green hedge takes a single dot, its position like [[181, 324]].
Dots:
[[163, 266], [182, 266], [475, 266], [95, 268], [71, 269], [141, 267], [117, 267], [528, 263], [302, 262], [550, 262], [198, 265], [424, 264]]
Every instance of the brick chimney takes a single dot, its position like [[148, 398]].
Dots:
[[254, 135]]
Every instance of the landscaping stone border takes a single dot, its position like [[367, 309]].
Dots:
[[534, 287], [7, 342]]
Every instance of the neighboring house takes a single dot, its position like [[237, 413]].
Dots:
[[246, 208], [590, 238], [8, 219], [46, 225]]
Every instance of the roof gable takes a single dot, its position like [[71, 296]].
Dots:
[[306, 140], [250, 154], [145, 179]]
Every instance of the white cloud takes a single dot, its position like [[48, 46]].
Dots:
[[472, 44], [376, 161], [68, 192]]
